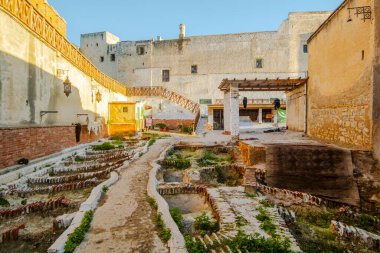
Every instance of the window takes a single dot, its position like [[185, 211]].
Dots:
[[113, 57], [305, 49], [125, 109], [140, 50], [101, 58], [194, 69], [165, 75], [259, 63], [97, 44]]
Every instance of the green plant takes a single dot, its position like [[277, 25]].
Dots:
[[141, 154], [103, 146], [204, 225], [250, 195], [186, 129], [178, 163], [194, 246], [240, 221], [117, 137], [266, 222], [219, 175], [75, 238], [24, 201], [4, 202], [265, 203], [253, 243], [151, 142], [52, 173], [78, 159], [177, 217], [130, 135], [161, 125], [105, 188], [152, 202], [163, 232]]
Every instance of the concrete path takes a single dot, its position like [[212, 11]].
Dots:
[[124, 223]]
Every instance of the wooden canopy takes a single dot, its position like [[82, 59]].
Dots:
[[263, 85]]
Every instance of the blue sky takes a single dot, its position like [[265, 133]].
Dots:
[[145, 19]]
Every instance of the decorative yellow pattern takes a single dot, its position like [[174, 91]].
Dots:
[[24, 11]]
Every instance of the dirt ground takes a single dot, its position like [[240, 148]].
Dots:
[[124, 222]]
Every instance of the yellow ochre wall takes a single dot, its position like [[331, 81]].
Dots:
[[340, 80], [122, 122]]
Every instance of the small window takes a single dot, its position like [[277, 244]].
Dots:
[[140, 50], [305, 49], [101, 58], [113, 57], [194, 69], [125, 109], [259, 63], [97, 44], [362, 54], [165, 75]]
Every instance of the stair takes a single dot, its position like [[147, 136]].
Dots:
[[160, 91]]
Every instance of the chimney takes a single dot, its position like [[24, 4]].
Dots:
[[182, 31]]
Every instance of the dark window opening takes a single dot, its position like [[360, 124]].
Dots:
[[113, 57], [305, 49], [97, 44], [101, 58], [165, 75], [362, 54], [194, 69], [259, 63], [125, 109], [140, 50]]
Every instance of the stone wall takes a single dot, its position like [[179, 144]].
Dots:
[[173, 123], [35, 142], [324, 171], [340, 86]]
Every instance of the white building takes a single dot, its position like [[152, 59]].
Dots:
[[194, 66]]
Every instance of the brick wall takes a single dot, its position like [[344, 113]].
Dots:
[[174, 123], [35, 142]]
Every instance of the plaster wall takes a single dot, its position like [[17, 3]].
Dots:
[[216, 56], [30, 83], [295, 109], [340, 85]]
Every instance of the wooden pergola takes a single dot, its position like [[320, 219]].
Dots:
[[263, 84]]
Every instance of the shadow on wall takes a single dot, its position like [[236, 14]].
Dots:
[[25, 91]]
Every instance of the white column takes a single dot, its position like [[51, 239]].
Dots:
[[226, 112], [275, 119], [234, 111], [260, 115]]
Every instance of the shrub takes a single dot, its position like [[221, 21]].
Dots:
[[186, 129], [103, 146], [24, 201], [117, 137], [4, 202], [141, 154], [161, 125], [104, 188], [194, 246], [250, 243], [204, 225], [163, 232], [77, 236], [177, 217], [151, 142], [178, 163], [52, 174], [152, 202], [78, 159], [266, 223]]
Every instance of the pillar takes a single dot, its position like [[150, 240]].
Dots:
[[275, 118], [234, 111], [226, 112], [260, 118]]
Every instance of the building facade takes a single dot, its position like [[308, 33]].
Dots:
[[194, 66]]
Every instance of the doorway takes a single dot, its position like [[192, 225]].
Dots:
[[218, 119]]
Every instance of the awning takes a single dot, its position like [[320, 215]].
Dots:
[[264, 84]]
